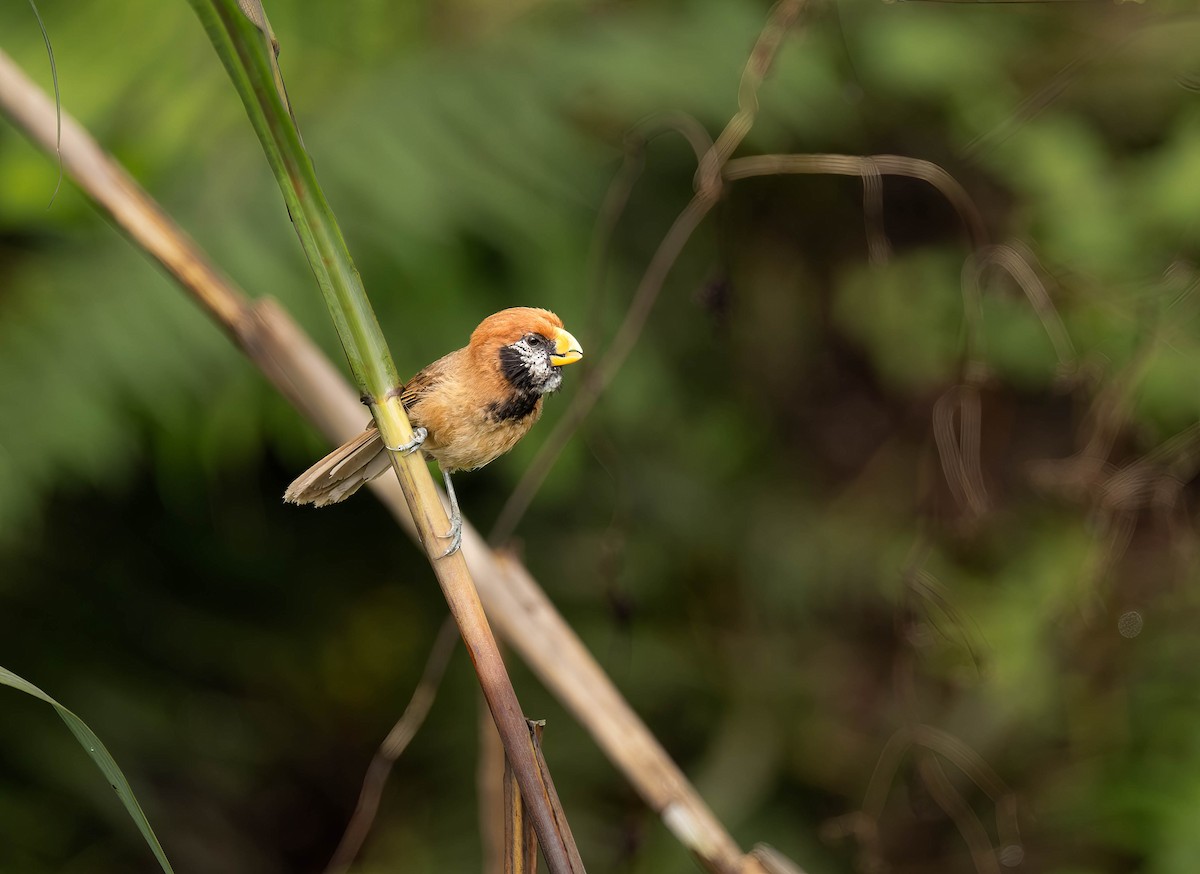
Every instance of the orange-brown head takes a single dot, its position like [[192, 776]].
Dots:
[[525, 346]]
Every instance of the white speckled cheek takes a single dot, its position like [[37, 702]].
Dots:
[[533, 360], [538, 364]]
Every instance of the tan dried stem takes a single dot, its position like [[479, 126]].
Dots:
[[520, 842], [519, 609]]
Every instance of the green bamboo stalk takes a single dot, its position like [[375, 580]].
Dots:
[[291, 362], [248, 52], [250, 60]]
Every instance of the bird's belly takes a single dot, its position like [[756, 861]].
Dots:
[[463, 446]]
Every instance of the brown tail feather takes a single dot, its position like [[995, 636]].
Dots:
[[342, 472]]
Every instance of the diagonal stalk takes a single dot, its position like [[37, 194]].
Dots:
[[248, 53], [290, 360]]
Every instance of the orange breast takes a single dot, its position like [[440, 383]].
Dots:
[[465, 420]]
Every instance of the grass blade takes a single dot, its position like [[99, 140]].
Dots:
[[101, 756]]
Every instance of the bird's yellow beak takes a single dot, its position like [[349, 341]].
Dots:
[[566, 349]]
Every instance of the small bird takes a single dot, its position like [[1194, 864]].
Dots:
[[467, 408]]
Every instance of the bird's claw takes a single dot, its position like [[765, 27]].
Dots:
[[419, 435], [454, 535]]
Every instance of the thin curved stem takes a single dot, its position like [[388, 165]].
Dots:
[[393, 747]]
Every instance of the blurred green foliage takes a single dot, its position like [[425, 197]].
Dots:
[[736, 530]]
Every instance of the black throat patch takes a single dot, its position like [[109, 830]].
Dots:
[[520, 405], [515, 370], [529, 374]]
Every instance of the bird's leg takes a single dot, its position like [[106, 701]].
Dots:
[[419, 435], [454, 535]]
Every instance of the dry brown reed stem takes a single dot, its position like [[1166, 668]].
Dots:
[[520, 843], [535, 736], [260, 85], [520, 610], [768, 860], [393, 746], [108, 184], [462, 597], [423, 500], [527, 620]]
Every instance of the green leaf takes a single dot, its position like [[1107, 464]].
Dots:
[[103, 759], [249, 57]]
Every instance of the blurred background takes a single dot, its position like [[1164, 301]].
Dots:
[[827, 518]]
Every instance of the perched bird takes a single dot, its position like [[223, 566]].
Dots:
[[467, 408]]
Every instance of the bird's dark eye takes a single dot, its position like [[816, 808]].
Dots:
[[535, 339]]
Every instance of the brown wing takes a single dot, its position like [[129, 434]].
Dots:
[[348, 468], [424, 382], [342, 472]]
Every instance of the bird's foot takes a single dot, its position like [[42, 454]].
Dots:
[[454, 535], [419, 435]]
